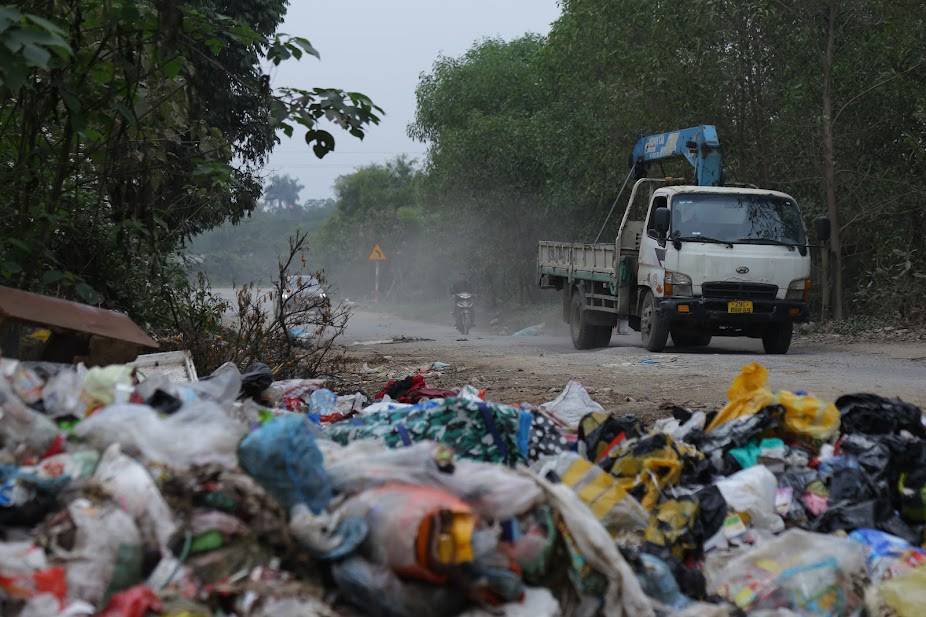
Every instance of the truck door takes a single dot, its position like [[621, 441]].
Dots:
[[651, 269]]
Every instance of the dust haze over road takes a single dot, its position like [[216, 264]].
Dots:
[[530, 368], [516, 369]]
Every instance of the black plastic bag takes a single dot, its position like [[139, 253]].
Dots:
[[255, 380], [876, 415]]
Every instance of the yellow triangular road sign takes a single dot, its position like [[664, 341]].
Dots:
[[377, 253]]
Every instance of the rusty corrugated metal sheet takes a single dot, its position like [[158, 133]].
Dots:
[[39, 310]]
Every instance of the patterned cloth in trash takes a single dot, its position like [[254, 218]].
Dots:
[[604, 494], [646, 465], [473, 429]]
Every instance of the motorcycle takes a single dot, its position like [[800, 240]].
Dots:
[[464, 312]]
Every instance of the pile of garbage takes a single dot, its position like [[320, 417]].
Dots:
[[125, 494]]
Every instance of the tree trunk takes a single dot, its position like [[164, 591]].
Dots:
[[833, 255]]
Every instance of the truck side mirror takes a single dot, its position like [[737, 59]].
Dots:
[[822, 226], [661, 222]]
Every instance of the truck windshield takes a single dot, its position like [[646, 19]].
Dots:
[[755, 219]]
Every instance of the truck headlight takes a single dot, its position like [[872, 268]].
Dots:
[[799, 289], [677, 284]]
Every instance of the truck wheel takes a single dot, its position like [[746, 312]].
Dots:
[[691, 340], [777, 337], [655, 331], [584, 334]]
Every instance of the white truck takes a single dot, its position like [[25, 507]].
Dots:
[[693, 261]]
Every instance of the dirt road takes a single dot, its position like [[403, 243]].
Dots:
[[625, 377]]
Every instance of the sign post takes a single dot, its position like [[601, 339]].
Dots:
[[377, 256]]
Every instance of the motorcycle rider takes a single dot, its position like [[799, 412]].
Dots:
[[460, 286]]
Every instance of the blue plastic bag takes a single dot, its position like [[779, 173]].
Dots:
[[284, 459]]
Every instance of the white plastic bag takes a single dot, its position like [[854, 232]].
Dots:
[[198, 433], [105, 543], [133, 488], [677, 430], [571, 405], [24, 432], [537, 602], [61, 396], [808, 572], [384, 404], [753, 491], [493, 491]]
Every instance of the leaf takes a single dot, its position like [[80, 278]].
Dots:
[[172, 68], [125, 111], [70, 101], [215, 45], [53, 276], [306, 46], [45, 24], [88, 294]]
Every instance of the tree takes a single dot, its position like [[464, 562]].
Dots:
[[151, 129], [282, 191], [484, 118]]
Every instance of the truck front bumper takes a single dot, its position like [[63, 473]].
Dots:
[[713, 314]]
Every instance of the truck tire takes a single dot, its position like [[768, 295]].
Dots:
[[655, 331], [690, 340], [777, 337], [584, 334]]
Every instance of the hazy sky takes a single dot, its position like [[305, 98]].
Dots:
[[380, 47]]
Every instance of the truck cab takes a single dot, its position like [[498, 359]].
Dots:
[[721, 261]]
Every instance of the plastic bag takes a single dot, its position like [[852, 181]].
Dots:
[[24, 433], [134, 602], [107, 553], [222, 386], [322, 402], [130, 484], [494, 492], [753, 491], [888, 556], [799, 570], [24, 572], [385, 404], [283, 457], [61, 395], [537, 602], [803, 414], [100, 383], [77, 465], [255, 380], [198, 433], [906, 594], [572, 403], [679, 430], [294, 607], [418, 531], [617, 510], [380, 593]]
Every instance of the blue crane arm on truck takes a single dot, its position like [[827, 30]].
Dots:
[[699, 145], [691, 260]]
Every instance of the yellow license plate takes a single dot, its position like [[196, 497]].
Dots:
[[739, 306]]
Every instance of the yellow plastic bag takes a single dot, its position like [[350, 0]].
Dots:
[[804, 415], [746, 396], [906, 594], [808, 415]]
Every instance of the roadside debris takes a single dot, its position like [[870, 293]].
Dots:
[[531, 330], [124, 493]]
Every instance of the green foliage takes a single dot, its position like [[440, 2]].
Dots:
[[282, 191], [129, 126], [529, 139], [248, 251]]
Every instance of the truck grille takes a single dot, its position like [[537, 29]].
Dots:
[[746, 291]]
